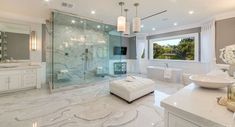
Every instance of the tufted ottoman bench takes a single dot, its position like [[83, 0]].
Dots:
[[132, 88]]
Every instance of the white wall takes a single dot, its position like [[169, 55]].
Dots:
[[30, 24], [190, 67], [187, 66], [207, 62], [35, 56]]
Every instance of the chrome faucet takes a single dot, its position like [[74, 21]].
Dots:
[[167, 65]]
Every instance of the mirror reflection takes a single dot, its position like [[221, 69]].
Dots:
[[10, 36]]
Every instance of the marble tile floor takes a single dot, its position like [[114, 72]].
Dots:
[[85, 107]]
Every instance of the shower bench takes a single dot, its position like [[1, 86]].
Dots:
[[132, 88]]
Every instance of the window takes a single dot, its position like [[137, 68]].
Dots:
[[183, 47]]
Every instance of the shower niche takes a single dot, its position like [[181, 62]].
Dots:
[[80, 50]]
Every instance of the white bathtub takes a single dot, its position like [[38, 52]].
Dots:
[[157, 73]]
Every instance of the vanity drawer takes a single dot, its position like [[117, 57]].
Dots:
[[10, 80]]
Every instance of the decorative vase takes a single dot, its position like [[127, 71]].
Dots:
[[231, 70], [231, 93]]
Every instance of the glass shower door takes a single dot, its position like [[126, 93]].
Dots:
[[80, 51], [96, 58]]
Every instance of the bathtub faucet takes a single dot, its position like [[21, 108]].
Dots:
[[167, 65]]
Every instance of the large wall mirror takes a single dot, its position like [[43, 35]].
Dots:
[[225, 35], [14, 41]]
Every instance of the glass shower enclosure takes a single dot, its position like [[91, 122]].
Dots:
[[80, 50]]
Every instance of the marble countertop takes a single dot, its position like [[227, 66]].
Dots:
[[201, 103], [21, 67]]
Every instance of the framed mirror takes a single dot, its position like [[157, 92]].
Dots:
[[14, 41]]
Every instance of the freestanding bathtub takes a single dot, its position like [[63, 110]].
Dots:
[[157, 73]]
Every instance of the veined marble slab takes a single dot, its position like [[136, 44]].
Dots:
[[86, 107]]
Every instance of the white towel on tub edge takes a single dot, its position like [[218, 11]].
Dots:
[[167, 73]]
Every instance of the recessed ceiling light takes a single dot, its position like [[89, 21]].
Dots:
[[191, 12], [93, 12], [142, 26], [73, 21], [98, 26], [175, 24], [81, 21], [153, 29], [46, 0]]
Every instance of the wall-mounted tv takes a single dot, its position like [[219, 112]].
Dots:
[[119, 50]]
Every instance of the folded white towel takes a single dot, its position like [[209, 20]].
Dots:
[[64, 71], [130, 78], [167, 73]]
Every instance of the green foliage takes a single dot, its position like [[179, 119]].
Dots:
[[183, 51], [143, 54]]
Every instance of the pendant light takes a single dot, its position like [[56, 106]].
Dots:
[[121, 21], [127, 30], [136, 23]]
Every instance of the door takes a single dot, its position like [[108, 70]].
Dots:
[[3, 83], [29, 80], [14, 81]]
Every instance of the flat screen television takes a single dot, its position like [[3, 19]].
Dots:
[[119, 50]]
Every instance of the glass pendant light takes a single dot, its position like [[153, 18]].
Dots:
[[121, 21], [127, 30], [136, 21]]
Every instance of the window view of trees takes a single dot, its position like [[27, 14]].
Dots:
[[176, 49]]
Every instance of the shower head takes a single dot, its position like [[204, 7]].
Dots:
[[48, 26]]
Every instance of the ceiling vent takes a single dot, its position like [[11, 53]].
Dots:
[[66, 5]]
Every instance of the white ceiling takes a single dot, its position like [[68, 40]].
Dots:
[[108, 10]]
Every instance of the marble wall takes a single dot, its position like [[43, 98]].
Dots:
[[80, 50]]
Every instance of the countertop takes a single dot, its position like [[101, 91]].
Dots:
[[201, 103], [22, 67]]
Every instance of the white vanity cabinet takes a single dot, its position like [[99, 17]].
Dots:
[[29, 78], [193, 106], [175, 121], [10, 80], [14, 81], [4, 82], [19, 79]]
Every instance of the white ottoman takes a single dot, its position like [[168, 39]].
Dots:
[[132, 87]]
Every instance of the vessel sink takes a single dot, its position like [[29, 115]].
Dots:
[[211, 81]]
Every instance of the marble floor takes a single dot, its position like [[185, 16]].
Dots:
[[85, 107]]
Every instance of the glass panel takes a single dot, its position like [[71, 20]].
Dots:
[[80, 50], [176, 49]]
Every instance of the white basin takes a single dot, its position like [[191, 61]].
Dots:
[[210, 81]]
